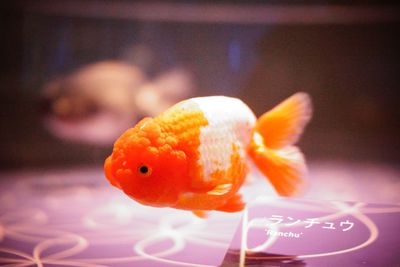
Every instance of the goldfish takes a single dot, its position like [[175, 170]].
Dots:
[[109, 93], [197, 154]]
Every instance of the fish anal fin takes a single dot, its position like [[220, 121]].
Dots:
[[221, 189], [200, 213], [283, 125], [234, 204]]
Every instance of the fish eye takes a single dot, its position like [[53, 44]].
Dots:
[[144, 170]]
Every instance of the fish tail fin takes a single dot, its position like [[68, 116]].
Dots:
[[272, 148], [285, 168]]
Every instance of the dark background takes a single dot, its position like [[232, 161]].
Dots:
[[350, 67]]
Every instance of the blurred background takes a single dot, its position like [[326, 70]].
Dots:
[[76, 74]]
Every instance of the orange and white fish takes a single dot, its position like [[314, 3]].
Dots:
[[195, 155]]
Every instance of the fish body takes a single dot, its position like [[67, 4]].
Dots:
[[195, 156]]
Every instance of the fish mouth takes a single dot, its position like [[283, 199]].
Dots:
[[143, 193], [68, 108], [108, 172]]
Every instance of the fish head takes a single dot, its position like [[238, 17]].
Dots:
[[147, 166]]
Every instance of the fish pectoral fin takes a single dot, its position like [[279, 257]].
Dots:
[[221, 189], [234, 204], [200, 213]]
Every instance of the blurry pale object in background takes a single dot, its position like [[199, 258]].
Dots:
[[96, 103], [165, 90]]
